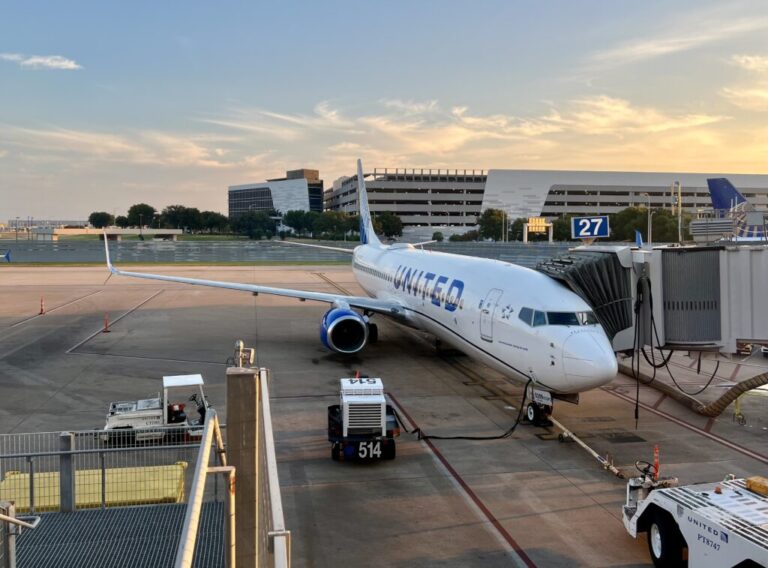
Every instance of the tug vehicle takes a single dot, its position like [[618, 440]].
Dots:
[[158, 419], [363, 426], [720, 524]]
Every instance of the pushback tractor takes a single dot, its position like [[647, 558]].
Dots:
[[720, 524], [363, 426]]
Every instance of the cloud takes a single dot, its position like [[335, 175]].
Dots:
[[749, 98], [142, 147], [41, 61], [243, 145], [753, 96], [756, 63], [688, 34]]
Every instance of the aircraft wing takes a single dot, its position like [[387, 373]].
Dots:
[[387, 307]]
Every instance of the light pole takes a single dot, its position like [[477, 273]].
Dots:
[[679, 212], [17, 229], [141, 225], [650, 215]]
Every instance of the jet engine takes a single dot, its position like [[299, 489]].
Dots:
[[343, 330]]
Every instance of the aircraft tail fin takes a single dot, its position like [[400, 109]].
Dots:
[[7, 256], [638, 239], [724, 196], [367, 234]]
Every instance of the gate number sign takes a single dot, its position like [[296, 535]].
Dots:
[[589, 227]]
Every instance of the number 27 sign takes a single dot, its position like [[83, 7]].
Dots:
[[589, 227]]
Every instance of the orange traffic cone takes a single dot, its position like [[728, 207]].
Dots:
[[42, 306], [106, 323]]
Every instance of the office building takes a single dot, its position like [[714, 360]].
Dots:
[[299, 190]]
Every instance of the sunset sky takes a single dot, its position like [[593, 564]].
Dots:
[[106, 104]]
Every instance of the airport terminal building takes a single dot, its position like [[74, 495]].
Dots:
[[452, 199], [299, 190]]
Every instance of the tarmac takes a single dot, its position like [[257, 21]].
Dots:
[[527, 500]]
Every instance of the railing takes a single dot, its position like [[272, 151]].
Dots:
[[66, 471], [10, 528], [186, 550], [279, 539]]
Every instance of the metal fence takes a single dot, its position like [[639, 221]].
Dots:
[[4, 528], [66, 471]]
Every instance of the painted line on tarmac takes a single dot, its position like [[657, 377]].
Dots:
[[139, 357], [341, 289], [114, 321], [525, 560], [714, 437], [29, 319]]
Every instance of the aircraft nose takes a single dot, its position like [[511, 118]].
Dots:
[[588, 360]]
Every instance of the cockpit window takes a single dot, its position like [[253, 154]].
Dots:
[[526, 314], [539, 318], [571, 318], [587, 318]]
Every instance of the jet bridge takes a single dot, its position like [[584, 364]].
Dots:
[[703, 298]]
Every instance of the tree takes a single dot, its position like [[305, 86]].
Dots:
[[182, 217], [437, 236], [214, 222], [391, 225], [101, 219], [330, 224], [121, 221], [254, 224], [468, 236], [140, 214], [309, 221], [516, 229], [296, 220], [491, 223], [561, 228], [627, 221], [353, 224]]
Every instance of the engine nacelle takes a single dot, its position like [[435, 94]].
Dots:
[[343, 330]]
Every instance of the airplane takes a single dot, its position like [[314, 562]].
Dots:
[[7, 256], [518, 321], [728, 202]]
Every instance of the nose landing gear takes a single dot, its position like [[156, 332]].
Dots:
[[538, 414]]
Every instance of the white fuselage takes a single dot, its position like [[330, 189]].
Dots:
[[474, 304]]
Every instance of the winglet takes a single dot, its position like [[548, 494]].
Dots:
[[367, 234], [111, 268]]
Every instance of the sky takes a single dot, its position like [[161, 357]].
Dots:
[[107, 104]]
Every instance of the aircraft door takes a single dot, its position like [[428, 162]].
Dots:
[[487, 312]]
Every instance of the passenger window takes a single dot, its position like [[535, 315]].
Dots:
[[539, 318], [526, 314]]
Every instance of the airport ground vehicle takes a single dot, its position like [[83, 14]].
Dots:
[[155, 419], [363, 426], [721, 524]]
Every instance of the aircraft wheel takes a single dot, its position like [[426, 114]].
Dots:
[[335, 452], [532, 412]]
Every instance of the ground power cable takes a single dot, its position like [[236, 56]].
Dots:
[[422, 436]]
